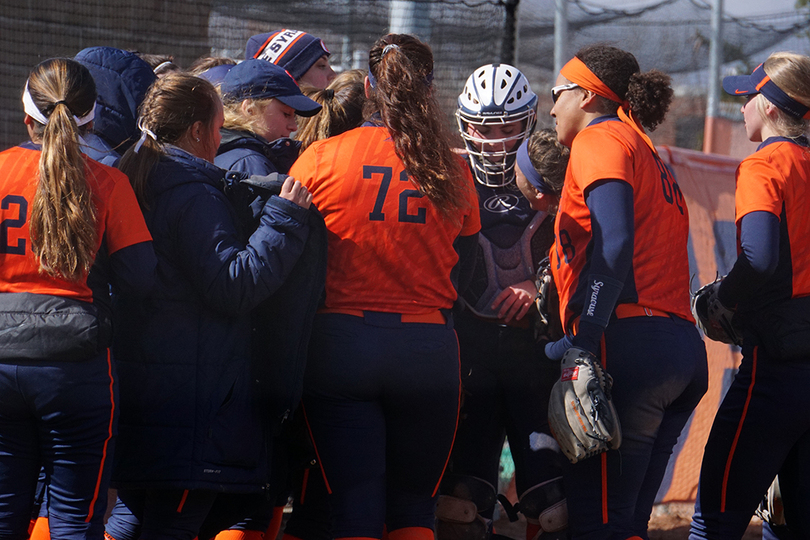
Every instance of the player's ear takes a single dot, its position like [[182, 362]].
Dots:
[[587, 98], [367, 87], [548, 202]]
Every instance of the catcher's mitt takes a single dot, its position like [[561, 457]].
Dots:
[[580, 412], [713, 317]]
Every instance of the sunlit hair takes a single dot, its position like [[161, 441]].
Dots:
[[341, 108], [171, 107], [791, 73], [63, 229], [253, 121], [404, 98]]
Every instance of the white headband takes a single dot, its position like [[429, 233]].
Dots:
[[33, 111], [162, 65]]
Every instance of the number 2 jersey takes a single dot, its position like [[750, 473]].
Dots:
[[390, 249], [659, 274], [119, 222]]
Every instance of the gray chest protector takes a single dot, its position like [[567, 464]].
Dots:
[[498, 267]]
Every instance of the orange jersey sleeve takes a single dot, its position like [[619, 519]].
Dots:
[[389, 248]]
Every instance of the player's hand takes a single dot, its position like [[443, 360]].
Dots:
[[515, 301], [295, 192]]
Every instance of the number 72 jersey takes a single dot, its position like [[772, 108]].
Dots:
[[390, 249], [659, 274]]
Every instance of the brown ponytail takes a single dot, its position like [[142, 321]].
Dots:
[[171, 106], [402, 67], [341, 108], [63, 215]]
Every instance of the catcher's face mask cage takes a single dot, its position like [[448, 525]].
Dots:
[[495, 95]]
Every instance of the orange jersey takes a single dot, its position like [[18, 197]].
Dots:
[[659, 275], [776, 179], [118, 219], [389, 248]]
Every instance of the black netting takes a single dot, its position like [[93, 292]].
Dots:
[[671, 35]]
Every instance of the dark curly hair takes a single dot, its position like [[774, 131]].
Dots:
[[649, 93]]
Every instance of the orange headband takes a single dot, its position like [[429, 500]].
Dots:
[[577, 72]]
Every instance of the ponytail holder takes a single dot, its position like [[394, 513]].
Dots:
[[372, 82], [33, 111], [329, 93], [145, 132], [390, 47]]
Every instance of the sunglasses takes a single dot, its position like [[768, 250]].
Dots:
[[557, 90]]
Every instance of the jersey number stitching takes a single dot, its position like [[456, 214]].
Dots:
[[15, 223], [377, 213]]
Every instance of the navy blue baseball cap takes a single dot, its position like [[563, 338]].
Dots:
[[259, 79], [294, 50], [216, 74], [760, 83]]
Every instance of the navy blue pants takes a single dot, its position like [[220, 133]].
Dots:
[[659, 369], [157, 514], [507, 381], [62, 417], [381, 399], [761, 429]]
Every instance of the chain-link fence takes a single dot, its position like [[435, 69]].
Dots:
[[671, 35]]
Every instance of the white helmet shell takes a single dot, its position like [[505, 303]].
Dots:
[[495, 94], [496, 90]]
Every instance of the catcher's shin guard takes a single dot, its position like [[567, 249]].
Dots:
[[544, 505], [458, 509]]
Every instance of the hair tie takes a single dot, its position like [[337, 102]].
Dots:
[[329, 93], [145, 132], [388, 48]]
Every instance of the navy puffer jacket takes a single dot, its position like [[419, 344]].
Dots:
[[189, 413], [245, 152]]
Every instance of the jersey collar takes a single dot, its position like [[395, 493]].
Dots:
[[801, 141], [605, 118]]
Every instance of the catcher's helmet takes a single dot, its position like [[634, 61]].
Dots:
[[495, 94]]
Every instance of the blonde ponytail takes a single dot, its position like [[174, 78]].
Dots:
[[64, 235]]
